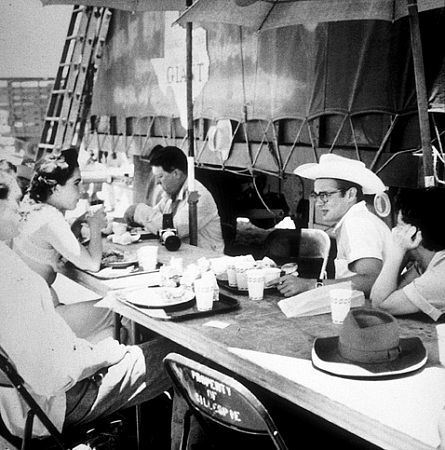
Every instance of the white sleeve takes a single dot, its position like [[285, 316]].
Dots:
[[58, 234]]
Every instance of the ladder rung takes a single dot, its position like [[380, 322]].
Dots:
[[61, 91], [78, 9], [55, 119]]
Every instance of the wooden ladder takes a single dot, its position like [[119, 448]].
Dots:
[[70, 99]]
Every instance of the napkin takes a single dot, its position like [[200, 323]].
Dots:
[[317, 301], [125, 238]]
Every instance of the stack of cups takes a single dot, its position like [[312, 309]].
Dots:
[[255, 283], [148, 257], [204, 294], [340, 304]]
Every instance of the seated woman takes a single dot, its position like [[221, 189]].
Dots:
[[46, 238]]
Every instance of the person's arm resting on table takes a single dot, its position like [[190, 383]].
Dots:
[[150, 217], [366, 269], [387, 293]]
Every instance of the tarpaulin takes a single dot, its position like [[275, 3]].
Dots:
[[349, 67]]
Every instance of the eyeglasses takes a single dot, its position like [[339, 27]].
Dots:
[[323, 196]]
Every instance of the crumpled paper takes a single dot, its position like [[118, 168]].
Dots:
[[317, 301]]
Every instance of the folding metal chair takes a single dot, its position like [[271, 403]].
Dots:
[[10, 378], [315, 244], [219, 399]]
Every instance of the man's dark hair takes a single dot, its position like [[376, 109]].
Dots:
[[422, 208], [169, 158], [344, 185]]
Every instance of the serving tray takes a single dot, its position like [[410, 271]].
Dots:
[[189, 311]]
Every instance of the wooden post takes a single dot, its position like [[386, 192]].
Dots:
[[192, 199], [422, 97]]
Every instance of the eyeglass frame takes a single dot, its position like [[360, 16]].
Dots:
[[324, 196]]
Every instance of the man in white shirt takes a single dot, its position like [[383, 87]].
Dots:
[[73, 380], [169, 166], [362, 238]]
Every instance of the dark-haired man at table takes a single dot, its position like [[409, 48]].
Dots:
[[169, 167], [413, 276]]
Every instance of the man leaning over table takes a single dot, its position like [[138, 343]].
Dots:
[[169, 167], [413, 276], [73, 380], [362, 238]]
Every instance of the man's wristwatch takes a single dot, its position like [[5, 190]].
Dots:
[[319, 283]]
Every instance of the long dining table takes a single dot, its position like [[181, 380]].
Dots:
[[258, 343]]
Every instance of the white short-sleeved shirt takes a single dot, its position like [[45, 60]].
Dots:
[[360, 234], [427, 292], [209, 222], [46, 352]]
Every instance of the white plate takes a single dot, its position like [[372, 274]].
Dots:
[[158, 297]]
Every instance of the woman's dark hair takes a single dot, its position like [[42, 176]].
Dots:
[[344, 185], [50, 171], [169, 158], [422, 208]]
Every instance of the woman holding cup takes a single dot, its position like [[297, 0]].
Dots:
[[46, 238]]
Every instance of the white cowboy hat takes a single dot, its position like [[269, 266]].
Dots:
[[334, 166]]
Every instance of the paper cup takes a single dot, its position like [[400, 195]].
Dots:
[[255, 284], [204, 295], [241, 275], [148, 257], [271, 274], [340, 304]]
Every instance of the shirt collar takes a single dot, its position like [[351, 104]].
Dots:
[[181, 195], [360, 206]]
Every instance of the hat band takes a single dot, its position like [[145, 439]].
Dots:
[[368, 356]]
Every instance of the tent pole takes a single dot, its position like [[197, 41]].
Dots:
[[193, 195], [422, 97]]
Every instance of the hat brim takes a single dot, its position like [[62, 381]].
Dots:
[[370, 182], [325, 356]]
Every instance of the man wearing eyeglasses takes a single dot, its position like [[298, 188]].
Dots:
[[362, 238]]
